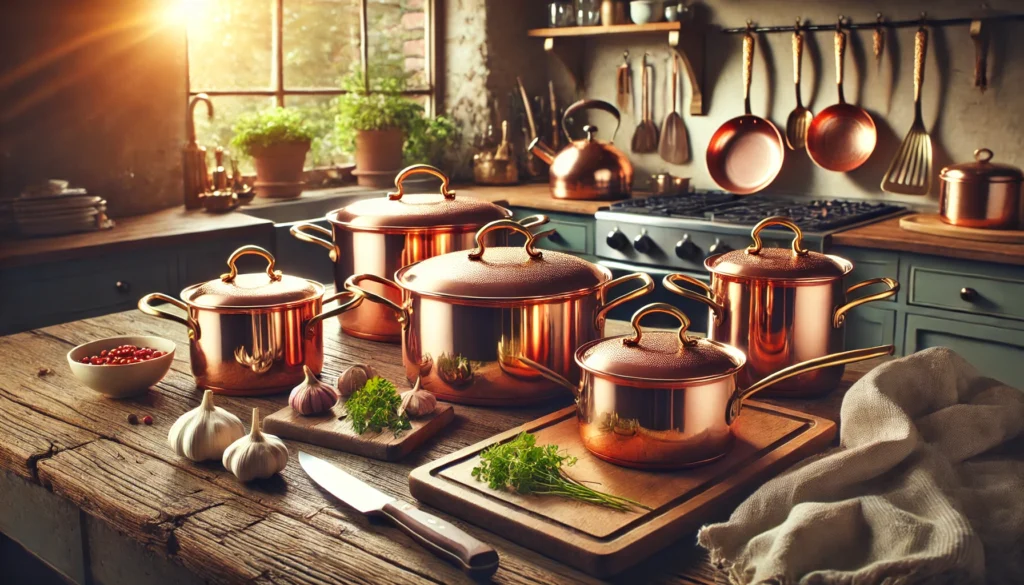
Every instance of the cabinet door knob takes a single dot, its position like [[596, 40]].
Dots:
[[968, 294], [122, 286]]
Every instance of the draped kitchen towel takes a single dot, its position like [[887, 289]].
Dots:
[[927, 486]]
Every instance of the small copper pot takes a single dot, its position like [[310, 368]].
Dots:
[[380, 235], [780, 307], [250, 334], [469, 319], [659, 399], [981, 194]]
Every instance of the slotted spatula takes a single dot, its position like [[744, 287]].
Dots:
[[673, 146], [645, 138], [911, 170]]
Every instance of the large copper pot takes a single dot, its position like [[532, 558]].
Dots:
[[780, 306], [250, 334], [380, 235], [588, 168], [469, 318], [982, 194], [659, 399]]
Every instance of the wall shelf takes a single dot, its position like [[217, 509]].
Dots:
[[685, 39]]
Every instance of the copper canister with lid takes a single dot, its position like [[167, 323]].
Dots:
[[981, 194]]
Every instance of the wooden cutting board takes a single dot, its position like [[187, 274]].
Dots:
[[933, 225], [604, 542], [331, 431]]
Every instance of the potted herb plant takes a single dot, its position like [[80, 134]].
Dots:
[[277, 139], [433, 141], [374, 125]]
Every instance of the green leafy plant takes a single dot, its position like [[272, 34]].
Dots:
[[522, 466], [375, 407], [269, 127], [431, 141], [384, 108]]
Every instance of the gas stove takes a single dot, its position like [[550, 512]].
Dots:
[[676, 232]]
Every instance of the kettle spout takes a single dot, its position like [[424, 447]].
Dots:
[[541, 151]]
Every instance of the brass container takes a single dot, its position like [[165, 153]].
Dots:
[[780, 307], [250, 334], [378, 236], [662, 400], [981, 194], [470, 319]]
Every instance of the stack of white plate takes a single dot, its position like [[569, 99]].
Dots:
[[67, 212]]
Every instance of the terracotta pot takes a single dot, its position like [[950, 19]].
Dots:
[[279, 169], [378, 156]]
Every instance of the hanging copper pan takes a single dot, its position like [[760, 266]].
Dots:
[[745, 154], [842, 136]]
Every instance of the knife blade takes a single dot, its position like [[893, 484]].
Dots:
[[442, 538]]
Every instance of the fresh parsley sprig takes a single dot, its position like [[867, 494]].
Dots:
[[375, 407], [523, 467]]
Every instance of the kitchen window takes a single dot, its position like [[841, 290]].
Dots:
[[252, 54]]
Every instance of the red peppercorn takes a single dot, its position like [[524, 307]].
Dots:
[[84, 360], [148, 420]]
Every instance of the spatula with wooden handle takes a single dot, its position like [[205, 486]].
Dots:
[[674, 147], [911, 170], [645, 138]]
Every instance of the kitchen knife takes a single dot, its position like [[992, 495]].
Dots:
[[443, 539]]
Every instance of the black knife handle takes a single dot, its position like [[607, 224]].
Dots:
[[476, 558]]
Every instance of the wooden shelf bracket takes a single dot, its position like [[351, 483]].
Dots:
[[690, 50]]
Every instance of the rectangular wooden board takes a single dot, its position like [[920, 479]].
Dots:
[[604, 542], [332, 431]]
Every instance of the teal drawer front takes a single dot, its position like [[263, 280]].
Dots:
[[966, 291], [573, 234], [870, 327], [868, 264], [995, 351]]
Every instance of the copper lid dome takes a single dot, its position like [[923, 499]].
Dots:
[[794, 263], [258, 289]]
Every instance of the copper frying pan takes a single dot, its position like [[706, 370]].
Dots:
[[745, 154], [842, 136]]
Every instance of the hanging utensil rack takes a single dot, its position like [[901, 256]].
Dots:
[[873, 24]]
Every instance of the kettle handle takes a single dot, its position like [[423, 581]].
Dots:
[[592, 105]]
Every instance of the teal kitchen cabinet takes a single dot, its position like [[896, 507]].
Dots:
[[869, 327], [997, 352]]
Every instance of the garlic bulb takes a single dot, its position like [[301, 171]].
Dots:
[[312, 396], [354, 379], [256, 455], [416, 402], [203, 433]]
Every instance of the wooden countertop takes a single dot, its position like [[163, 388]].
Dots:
[[536, 196], [887, 235], [56, 432]]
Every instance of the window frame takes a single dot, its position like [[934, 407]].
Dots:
[[280, 93]]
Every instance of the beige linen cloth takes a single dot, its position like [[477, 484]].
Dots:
[[927, 486]]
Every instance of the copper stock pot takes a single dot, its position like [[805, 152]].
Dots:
[[250, 334], [382, 234], [780, 306], [982, 194], [659, 399], [469, 318]]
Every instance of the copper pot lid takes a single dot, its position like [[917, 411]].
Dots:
[[660, 356], [794, 263], [982, 170], [502, 273], [259, 289], [400, 210]]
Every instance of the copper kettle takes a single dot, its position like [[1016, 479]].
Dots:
[[587, 168]]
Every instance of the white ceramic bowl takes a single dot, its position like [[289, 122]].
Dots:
[[644, 11], [124, 380]]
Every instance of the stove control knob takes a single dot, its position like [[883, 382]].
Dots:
[[643, 243], [617, 240], [719, 247], [686, 249]]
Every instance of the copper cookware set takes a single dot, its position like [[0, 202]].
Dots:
[[982, 194]]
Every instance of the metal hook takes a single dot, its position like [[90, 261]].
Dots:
[[924, 18], [799, 24], [839, 23], [878, 18], [625, 56], [750, 25]]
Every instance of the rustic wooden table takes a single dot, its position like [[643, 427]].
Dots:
[[104, 501]]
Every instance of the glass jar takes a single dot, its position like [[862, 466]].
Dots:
[[560, 14], [588, 12]]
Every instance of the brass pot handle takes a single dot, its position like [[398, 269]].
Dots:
[[354, 300], [606, 306], [592, 105], [894, 287], [826, 361], [667, 309], [420, 170], [352, 284], [505, 224], [299, 232], [798, 237], [145, 305], [275, 275], [551, 375], [533, 221], [708, 298]]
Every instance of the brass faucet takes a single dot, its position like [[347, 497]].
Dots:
[[193, 157]]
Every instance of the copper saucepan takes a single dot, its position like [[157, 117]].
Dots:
[[468, 317], [746, 153], [842, 136], [780, 306], [659, 399], [982, 194]]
